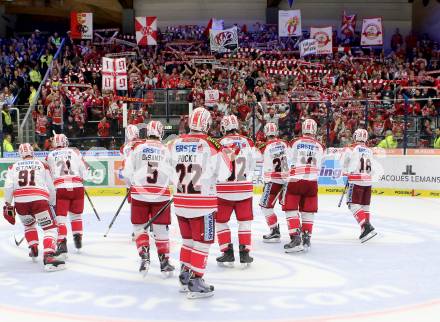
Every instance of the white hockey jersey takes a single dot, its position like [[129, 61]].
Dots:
[[243, 156], [29, 180], [67, 167], [197, 163], [305, 159], [275, 153], [125, 150], [357, 164], [148, 170]]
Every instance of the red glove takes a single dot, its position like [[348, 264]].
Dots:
[[9, 213]]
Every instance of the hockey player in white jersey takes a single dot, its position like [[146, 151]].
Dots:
[[274, 174], [235, 193], [29, 184], [197, 163], [131, 138], [68, 170], [148, 170], [358, 168], [300, 200]]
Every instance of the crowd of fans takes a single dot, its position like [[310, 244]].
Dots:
[[263, 81]]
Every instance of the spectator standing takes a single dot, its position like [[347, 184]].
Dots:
[[41, 124], [396, 40], [437, 139], [388, 142], [103, 131], [7, 120], [7, 144], [35, 75], [33, 94]]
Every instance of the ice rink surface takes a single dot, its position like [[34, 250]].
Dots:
[[393, 277]]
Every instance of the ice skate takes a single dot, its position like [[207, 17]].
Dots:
[[184, 279], [227, 259], [145, 261], [165, 267], [273, 236], [61, 252], [245, 259], [199, 289], [368, 232], [306, 241], [52, 264], [77, 239], [295, 244], [33, 252]]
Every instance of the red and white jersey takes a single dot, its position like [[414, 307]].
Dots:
[[275, 153], [147, 170], [197, 163], [243, 155], [67, 167], [358, 160], [305, 159], [127, 147], [125, 150], [29, 180]]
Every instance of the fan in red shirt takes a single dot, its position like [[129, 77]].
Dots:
[[104, 131], [243, 110]]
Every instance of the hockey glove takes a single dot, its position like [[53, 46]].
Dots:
[[9, 213]]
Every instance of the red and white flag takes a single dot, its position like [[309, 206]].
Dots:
[[114, 74], [323, 38], [214, 24], [348, 24], [146, 31], [81, 25], [372, 32]]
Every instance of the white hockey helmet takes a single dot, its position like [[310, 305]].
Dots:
[[155, 128], [360, 135], [60, 141], [200, 120], [131, 133], [229, 123], [309, 127], [270, 129], [25, 150]]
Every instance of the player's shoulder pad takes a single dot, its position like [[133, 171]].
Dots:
[[214, 143]]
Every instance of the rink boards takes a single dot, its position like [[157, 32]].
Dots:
[[394, 175]]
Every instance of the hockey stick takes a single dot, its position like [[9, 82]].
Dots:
[[91, 203], [115, 216], [343, 194], [161, 210], [18, 243]]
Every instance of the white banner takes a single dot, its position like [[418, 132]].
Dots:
[[223, 40], [308, 47], [372, 32], [289, 23], [211, 97], [409, 172], [114, 74], [323, 38]]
